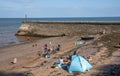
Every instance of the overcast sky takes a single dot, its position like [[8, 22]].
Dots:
[[59, 8]]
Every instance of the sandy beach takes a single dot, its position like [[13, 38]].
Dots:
[[59, 37], [29, 63]]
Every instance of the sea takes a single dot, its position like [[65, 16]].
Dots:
[[9, 26]]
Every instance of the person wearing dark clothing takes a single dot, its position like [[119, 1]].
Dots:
[[75, 52], [45, 47], [58, 47], [47, 54]]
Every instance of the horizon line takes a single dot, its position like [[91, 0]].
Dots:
[[66, 17]]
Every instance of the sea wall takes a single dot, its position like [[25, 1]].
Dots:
[[66, 28]]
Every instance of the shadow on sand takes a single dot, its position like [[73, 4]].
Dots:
[[109, 70], [15, 74]]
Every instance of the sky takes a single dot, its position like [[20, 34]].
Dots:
[[59, 8]]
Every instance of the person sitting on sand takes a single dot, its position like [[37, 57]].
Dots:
[[67, 61], [44, 50], [49, 51], [61, 61], [51, 48], [45, 47], [47, 55], [89, 58], [58, 47]]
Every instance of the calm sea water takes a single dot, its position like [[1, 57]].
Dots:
[[9, 26]]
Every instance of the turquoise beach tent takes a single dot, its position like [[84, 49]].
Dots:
[[78, 64]]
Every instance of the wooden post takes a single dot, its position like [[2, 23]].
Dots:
[[25, 17]]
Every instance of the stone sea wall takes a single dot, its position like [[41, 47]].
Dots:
[[66, 28]]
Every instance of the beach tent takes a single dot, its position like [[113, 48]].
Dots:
[[78, 64]]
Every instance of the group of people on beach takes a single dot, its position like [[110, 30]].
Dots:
[[63, 62], [48, 50]]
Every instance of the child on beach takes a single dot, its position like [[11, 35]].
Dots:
[[14, 60]]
